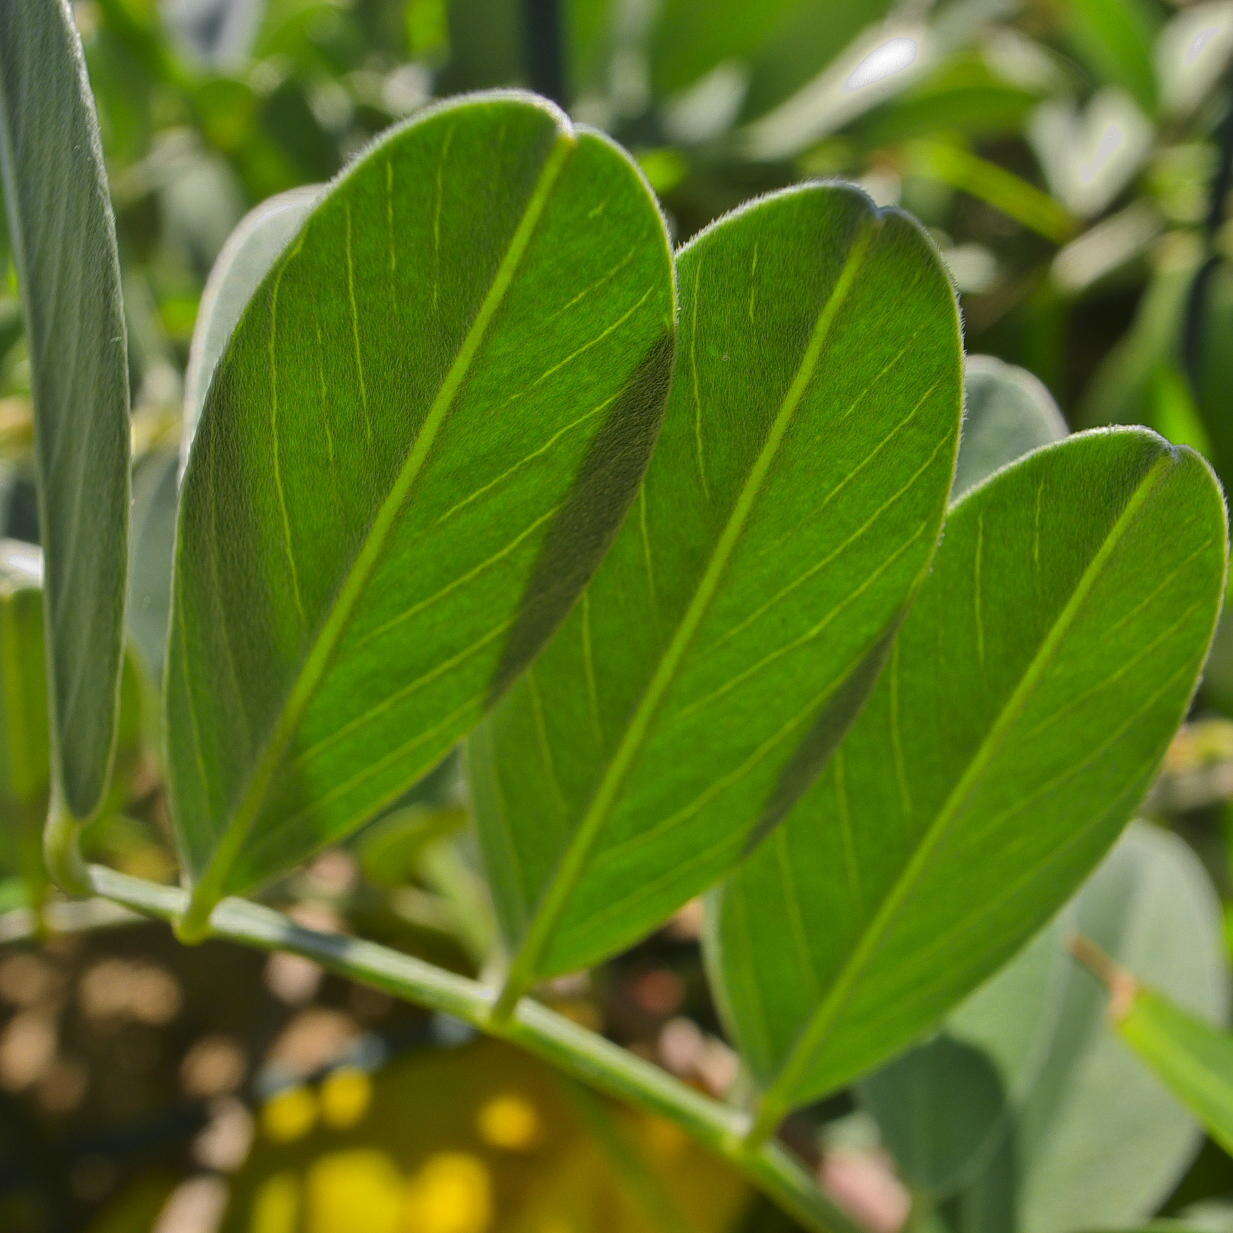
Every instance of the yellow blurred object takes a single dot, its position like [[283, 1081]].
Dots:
[[474, 1139], [358, 1190], [345, 1096], [290, 1115], [276, 1205], [451, 1193], [510, 1121]]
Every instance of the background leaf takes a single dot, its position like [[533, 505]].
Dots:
[[25, 736], [941, 1105], [1028, 699], [156, 494], [1117, 39], [780, 44], [1007, 413], [1193, 1059], [428, 422], [63, 238], [724, 644], [1096, 1140]]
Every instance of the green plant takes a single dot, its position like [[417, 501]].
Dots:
[[669, 538]]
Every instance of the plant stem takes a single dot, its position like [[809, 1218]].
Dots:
[[62, 851], [75, 916], [1122, 986], [573, 1049]]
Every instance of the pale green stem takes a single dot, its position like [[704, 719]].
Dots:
[[62, 851], [580, 1053], [73, 916]]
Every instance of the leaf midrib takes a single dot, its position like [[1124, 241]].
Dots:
[[778, 1095], [209, 887], [523, 968]]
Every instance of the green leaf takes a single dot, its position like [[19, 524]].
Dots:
[[963, 95], [1008, 413], [1027, 702], [1164, 1226], [414, 451], [721, 650], [156, 495], [63, 237], [1191, 1057], [1121, 388], [1027, 1046], [1117, 39], [1214, 366], [245, 260], [941, 1105], [25, 736], [25, 747], [1095, 1140]]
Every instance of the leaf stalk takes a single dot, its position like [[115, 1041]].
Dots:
[[1122, 986], [62, 850]]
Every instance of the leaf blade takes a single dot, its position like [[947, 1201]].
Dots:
[[965, 678], [1188, 1055], [593, 791], [1007, 413], [1095, 1140], [259, 239], [331, 726], [1046, 1154], [63, 236]]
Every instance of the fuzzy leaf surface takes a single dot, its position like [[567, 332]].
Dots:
[[251, 249], [64, 244], [1026, 704], [415, 449]]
